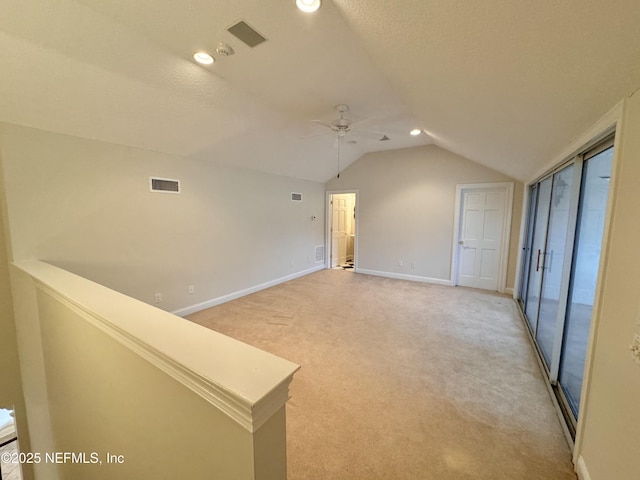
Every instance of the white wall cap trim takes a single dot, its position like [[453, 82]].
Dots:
[[247, 384]]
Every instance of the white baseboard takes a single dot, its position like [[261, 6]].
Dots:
[[581, 469], [509, 291], [402, 276], [181, 312]]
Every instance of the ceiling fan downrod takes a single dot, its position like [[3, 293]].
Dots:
[[339, 142]]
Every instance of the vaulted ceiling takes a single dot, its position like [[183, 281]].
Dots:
[[505, 83]]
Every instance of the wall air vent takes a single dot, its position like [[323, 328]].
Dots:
[[296, 197], [164, 185], [319, 253], [245, 33]]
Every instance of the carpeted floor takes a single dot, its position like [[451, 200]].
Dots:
[[403, 380]]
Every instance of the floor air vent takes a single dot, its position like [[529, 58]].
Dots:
[[319, 253], [164, 185]]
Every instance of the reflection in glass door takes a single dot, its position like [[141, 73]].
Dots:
[[584, 274], [537, 252], [553, 261]]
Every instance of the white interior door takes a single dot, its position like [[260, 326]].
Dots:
[[480, 238], [339, 229]]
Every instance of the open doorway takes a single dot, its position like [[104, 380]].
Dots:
[[342, 229]]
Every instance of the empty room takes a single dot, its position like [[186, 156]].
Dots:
[[319, 239]]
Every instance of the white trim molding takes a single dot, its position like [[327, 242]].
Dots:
[[402, 276], [598, 131], [182, 312], [581, 469]]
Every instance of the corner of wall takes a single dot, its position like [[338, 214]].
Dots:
[[581, 469]]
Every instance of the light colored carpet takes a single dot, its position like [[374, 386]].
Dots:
[[402, 380]]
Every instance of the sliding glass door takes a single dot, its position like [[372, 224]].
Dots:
[[552, 262], [539, 238], [584, 275], [524, 274], [561, 261]]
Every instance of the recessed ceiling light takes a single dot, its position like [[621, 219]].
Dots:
[[308, 5], [415, 132], [203, 57]]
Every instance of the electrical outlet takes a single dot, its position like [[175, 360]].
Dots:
[[191, 289], [413, 265], [158, 297], [400, 263]]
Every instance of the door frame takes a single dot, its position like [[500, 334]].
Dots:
[[328, 223], [507, 187]]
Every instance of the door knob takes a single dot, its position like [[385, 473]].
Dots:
[[461, 242]]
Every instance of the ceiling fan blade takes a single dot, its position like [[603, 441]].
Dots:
[[323, 123], [316, 135], [362, 123], [371, 135]]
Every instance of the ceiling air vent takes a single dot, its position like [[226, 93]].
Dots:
[[296, 197], [245, 33], [164, 185]]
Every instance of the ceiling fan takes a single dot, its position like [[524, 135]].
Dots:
[[342, 126]]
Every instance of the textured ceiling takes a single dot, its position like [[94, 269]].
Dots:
[[505, 83]]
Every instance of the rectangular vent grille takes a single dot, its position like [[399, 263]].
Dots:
[[319, 253], [296, 197], [164, 185], [245, 33]]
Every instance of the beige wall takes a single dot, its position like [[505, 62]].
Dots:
[[86, 207], [105, 398], [11, 395], [406, 209], [609, 441]]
